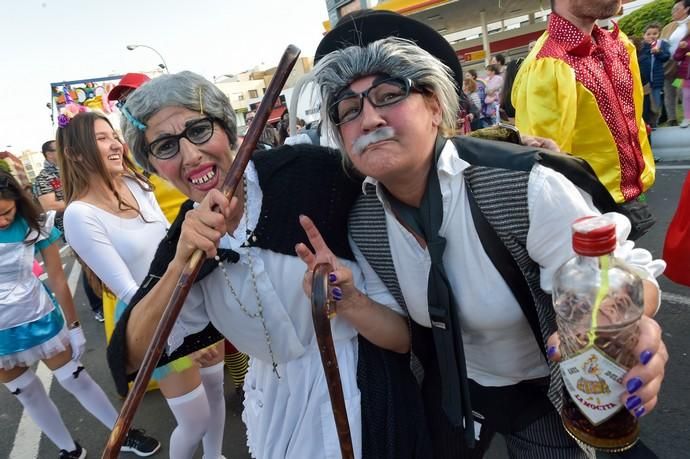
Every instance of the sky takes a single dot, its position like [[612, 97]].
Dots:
[[45, 41]]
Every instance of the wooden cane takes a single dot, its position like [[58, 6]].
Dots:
[[172, 310], [322, 308]]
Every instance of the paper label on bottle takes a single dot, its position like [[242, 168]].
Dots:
[[595, 384]]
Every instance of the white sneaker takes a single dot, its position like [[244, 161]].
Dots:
[[685, 123]]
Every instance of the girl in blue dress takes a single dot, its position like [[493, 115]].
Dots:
[[35, 326]]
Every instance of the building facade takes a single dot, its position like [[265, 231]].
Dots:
[[33, 163], [16, 168]]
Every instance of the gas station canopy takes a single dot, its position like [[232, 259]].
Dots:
[[476, 27], [448, 16]]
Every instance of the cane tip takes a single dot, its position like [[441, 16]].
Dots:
[[293, 49]]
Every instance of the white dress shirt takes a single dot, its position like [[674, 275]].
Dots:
[[500, 348]]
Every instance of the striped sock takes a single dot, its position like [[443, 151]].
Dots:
[[237, 363]]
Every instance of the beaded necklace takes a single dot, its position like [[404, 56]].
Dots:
[[259, 314]]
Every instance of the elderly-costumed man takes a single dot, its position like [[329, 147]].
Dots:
[[390, 102]]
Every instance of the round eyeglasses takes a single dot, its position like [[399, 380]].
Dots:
[[383, 92], [197, 132]]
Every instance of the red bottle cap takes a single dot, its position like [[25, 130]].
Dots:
[[594, 236]]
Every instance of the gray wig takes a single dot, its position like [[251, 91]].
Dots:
[[390, 56], [184, 89]]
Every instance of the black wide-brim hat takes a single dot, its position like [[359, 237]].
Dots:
[[366, 26]]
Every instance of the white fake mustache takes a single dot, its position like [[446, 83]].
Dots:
[[379, 135]]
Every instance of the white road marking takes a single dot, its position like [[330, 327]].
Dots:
[[28, 437], [44, 276], [675, 298], [670, 167]]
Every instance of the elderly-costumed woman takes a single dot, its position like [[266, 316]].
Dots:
[[251, 287], [114, 224]]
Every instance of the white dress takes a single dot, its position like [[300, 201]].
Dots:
[[290, 416]]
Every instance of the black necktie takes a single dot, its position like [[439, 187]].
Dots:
[[443, 308]]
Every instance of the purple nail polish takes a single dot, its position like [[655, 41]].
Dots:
[[645, 357], [633, 385], [337, 293], [550, 351], [332, 278], [633, 402], [639, 411]]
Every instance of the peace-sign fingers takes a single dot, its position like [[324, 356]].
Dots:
[[306, 255], [322, 254], [313, 233]]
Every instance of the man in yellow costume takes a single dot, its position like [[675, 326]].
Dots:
[[581, 86]]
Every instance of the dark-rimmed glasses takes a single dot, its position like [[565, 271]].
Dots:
[[383, 92], [197, 132]]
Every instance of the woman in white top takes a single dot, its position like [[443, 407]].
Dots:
[[182, 127], [114, 224]]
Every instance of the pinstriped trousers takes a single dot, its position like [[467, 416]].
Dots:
[[545, 438]]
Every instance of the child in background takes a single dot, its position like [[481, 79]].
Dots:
[[651, 55]]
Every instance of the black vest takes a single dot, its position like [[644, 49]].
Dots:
[[498, 179]]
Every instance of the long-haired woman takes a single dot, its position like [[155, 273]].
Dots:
[[114, 224], [34, 326]]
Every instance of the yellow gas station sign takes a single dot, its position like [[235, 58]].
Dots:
[[404, 7], [474, 56]]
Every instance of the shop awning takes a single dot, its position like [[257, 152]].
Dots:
[[276, 113]]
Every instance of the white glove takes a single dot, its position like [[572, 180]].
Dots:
[[77, 341], [641, 259]]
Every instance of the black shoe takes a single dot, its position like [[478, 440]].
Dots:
[[98, 315], [672, 123], [79, 453], [140, 444]]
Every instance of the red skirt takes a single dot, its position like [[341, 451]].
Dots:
[[677, 244]]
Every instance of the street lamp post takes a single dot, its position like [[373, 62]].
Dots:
[[165, 65]]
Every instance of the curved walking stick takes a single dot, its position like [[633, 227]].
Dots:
[[172, 310], [322, 309]]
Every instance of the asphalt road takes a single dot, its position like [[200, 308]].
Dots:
[[666, 430]]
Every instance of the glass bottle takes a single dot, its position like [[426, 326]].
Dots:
[[598, 301]]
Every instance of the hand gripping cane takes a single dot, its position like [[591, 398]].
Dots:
[[172, 310]]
